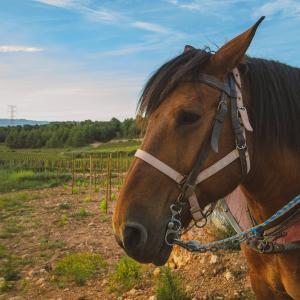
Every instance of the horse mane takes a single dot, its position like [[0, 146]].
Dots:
[[274, 88]]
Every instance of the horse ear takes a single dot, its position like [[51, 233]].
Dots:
[[228, 56]]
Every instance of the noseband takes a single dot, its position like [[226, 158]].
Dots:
[[231, 96]]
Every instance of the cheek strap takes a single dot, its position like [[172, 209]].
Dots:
[[178, 178]]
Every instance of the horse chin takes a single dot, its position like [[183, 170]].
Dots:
[[163, 255]]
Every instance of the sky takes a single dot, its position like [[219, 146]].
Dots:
[[89, 59]]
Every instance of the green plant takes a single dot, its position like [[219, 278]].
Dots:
[[223, 233], [127, 274], [87, 199], [46, 244], [63, 220], [80, 267], [82, 213], [2, 251], [169, 287], [103, 205], [5, 286], [9, 269], [64, 205]]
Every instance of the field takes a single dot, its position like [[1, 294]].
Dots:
[[56, 240]]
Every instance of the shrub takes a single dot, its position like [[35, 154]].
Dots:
[[128, 273], [64, 205], [103, 205], [80, 267], [9, 270], [2, 251], [82, 213], [169, 286]]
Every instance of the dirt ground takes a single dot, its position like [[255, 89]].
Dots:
[[48, 229]]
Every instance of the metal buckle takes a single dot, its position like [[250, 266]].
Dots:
[[243, 147], [220, 103]]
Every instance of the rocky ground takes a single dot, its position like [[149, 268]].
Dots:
[[56, 223]]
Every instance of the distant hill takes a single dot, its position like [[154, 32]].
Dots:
[[17, 122]]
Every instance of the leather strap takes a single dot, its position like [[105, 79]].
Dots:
[[218, 122], [218, 166], [217, 84], [159, 165], [242, 109]]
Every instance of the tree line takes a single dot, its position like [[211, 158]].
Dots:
[[63, 134]]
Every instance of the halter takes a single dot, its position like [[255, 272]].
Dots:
[[230, 95], [262, 237]]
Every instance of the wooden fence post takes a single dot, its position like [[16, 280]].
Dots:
[[108, 182], [73, 173], [91, 173]]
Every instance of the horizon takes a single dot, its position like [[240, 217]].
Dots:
[[74, 60]]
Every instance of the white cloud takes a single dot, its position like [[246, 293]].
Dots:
[[150, 27], [131, 49], [285, 7], [58, 3], [92, 14], [104, 15], [18, 48]]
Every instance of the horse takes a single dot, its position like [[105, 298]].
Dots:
[[185, 104]]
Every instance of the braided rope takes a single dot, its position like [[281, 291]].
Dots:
[[247, 235]]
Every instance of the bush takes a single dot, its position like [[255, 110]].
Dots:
[[169, 286], [9, 270], [82, 213], [103, 205], [128, 273], [80, 267], [24, 179]]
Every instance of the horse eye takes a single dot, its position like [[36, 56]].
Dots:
[[186, 118]]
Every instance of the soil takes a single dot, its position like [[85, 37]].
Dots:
[[204, 276]]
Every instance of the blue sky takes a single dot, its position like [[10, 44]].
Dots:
[[89, 59]]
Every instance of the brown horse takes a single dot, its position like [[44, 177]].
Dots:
[[180, 113]]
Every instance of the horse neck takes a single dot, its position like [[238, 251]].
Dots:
[[273, 181]]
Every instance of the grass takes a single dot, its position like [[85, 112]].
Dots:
[[9, 268], [64, 220], [46, 244], [221, 234], [169, 286], [64, 205], [128, 273], [5, 286], [80, 267], [2, 251], [82, 213], [103, 205], [10, 229], [13, 180]]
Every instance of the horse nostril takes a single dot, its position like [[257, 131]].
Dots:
[[134, 236]]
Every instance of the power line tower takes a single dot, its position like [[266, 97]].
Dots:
[[12, 109]]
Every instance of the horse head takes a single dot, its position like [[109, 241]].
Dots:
[[180, 111]]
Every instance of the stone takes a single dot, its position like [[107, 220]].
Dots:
[[40, 281], [228, 275], [152, 298], [188, 288], [213, 259], [156, 272], [132, 292]]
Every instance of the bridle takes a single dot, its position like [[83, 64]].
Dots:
[[231, 96]]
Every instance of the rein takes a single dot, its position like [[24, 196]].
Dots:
[[231, 96]]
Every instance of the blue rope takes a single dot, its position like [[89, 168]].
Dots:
[[257, 229]]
